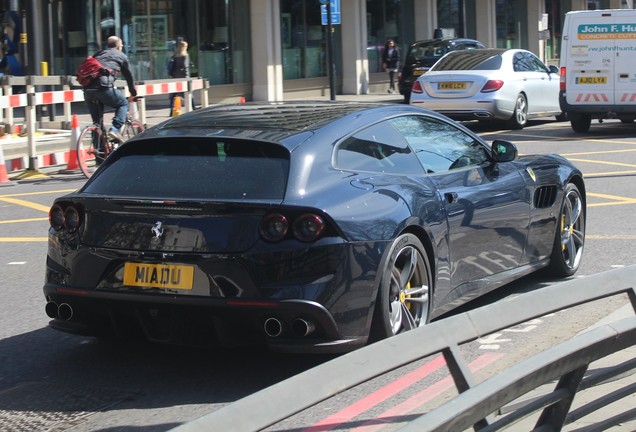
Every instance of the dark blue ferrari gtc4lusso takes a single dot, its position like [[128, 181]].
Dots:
[[309, 227]]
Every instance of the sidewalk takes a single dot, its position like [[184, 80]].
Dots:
[[602, 390], [54, 153]]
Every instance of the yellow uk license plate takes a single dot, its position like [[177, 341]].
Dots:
[[592, 80], [418, 72], [159, 275], [452, 86]]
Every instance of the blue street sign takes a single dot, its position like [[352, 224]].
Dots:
[[335, 12]]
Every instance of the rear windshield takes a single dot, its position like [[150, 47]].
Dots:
[[195, 168], [435, 50], [420, 52], [469, 60]]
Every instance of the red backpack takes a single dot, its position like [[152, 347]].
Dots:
[[91, 69]]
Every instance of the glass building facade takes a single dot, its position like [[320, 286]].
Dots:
[[246, 45]]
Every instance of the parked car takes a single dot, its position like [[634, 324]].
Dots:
[[309, 227], [490, 84], [421, 55]]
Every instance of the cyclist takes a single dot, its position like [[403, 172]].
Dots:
[[101, 91]]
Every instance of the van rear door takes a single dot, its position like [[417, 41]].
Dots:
[[591, 60], [625, 58]]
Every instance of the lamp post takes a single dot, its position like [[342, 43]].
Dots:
[[332, 63]]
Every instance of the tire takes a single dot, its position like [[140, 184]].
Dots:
[[403, 301], [519, 118], [131, 129], [580, 122], [569, 238], [92, 149]]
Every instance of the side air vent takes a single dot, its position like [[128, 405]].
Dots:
[[545, 196]]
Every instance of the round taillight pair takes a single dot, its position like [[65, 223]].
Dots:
[[68, 218], [306, 228]]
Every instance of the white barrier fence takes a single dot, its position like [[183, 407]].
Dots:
[[31, 97]]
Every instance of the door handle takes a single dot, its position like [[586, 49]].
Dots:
[[451, 197]]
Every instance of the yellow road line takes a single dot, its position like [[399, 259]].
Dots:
[[609, 173], [616, 200], [598, 152], [39, 193], [23, 220], [597, 162], [612, 197], [22, 239], [610, 237], [24, 203]]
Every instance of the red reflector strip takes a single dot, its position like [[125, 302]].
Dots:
[[71, 292], [251, 303]]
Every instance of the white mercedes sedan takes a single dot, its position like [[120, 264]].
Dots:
[[512, 85]]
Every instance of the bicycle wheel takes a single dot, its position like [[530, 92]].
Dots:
[[131, 129], [92, 149]]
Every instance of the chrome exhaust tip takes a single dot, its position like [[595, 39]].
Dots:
[[302, 327], [51, 309], [273, 327], [65, 312]]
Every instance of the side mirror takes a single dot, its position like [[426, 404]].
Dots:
[[504, 151], [554, 69]]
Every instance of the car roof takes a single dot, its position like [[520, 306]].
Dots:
[[297, 116], [445, 41], [283, 122]]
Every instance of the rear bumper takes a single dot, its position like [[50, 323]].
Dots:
[[596, 110], [485, 109], [187, 320]]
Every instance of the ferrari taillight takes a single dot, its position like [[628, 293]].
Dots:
[[306, 227], [273, 227], [65, 217], [56, 217]]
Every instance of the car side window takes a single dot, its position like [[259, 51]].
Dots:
[[520, 63], [379, 148], [537, 65], [441, 146]]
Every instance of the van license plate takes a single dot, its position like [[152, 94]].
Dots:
[[591, 80], [452, 86], [159, 275]]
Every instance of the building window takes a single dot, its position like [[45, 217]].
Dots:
[[450, 17], [302, 39], [512, 25], [384, 21], [217, 32], [225, 47]]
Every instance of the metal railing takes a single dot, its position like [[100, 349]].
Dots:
[[485, 406]]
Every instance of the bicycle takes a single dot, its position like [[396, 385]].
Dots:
[[94, 146]]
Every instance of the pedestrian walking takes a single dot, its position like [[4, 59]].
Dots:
[[391, 62], [179, 67]]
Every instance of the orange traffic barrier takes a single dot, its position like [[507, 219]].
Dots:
[[176, 109], [4, 176], [73, 164]]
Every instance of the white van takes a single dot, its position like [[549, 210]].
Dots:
[[598, 66]]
